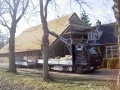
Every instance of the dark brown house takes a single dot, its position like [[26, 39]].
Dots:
[[106, 36]]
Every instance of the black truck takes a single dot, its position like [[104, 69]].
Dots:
[[84, 57]]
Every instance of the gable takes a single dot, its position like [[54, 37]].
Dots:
[[74, 19]]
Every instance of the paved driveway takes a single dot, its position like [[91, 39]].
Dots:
[[4, 65], [102, 74]]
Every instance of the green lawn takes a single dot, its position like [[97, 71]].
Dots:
[[34, 81]]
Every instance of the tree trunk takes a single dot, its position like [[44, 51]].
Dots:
[[118, 79], [116, 9], [45, 40], [45, 43], [45, 64], [12, 66]]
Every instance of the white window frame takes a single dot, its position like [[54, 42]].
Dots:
[[96, 38], [113, 47], [92, 36]]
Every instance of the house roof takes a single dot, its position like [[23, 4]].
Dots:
[[30, 39], [108, 36]]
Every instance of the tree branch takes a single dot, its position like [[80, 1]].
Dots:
[[46, 5], [10, 9], [80, 2], [16, 4], [41, 10], [8, 2], [23, 11], [5, 23]]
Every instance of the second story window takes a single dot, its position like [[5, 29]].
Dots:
[[96, 36], [93, 36]]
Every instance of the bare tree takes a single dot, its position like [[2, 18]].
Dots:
[[45, 40], [11, 11], [116, 9]]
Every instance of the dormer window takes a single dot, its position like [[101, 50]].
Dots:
[[93, 36], [90, 36], [96, 36]]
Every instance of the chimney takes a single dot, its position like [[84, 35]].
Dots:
[[98, 23]]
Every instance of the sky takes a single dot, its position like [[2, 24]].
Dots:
[[95, 9]]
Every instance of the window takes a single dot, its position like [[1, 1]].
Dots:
[[90, 36], [111, 51], [94, 35], [94, 50]]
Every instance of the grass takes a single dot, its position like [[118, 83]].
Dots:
[[57, 82]]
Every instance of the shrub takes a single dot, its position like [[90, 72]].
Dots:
[[118, 65], [104, 64], [112, 63]]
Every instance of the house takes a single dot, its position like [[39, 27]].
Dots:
[[28, 43], [104, 35]]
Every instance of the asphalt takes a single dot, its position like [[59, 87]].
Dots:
[[4, 65], [101, 74]]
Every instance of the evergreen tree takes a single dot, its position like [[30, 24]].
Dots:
[[84, 18]]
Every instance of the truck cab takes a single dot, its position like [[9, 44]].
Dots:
[[86, 57]]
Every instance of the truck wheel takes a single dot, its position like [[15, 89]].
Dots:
[[79, 69], [18, 66], [50, 68]]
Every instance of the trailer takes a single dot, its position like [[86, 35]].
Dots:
[[61, 64], [19, 61]]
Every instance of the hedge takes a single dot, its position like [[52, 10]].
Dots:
[[112, 63]]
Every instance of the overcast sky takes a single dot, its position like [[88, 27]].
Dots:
[[96, 10]]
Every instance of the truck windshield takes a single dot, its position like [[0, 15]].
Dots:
[[94, 50]]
